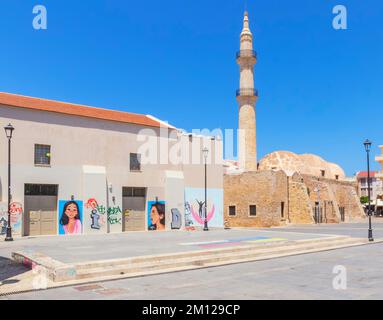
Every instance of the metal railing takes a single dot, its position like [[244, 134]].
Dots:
[[247, 54], [249, 92]]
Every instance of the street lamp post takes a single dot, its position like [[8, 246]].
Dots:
[[205, 155], [9, 131], [367, 146]]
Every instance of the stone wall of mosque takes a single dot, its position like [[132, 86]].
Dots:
[[266, 190], [281, 200]]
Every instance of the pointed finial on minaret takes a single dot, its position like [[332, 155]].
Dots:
[[246, 25], [246, 35]]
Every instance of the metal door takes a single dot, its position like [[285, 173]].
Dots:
[[133, 207], [318, 214], [342, 211], [40, 202]]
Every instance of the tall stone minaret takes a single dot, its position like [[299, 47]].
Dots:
[[247, 97]]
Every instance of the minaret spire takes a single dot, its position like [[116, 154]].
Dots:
[[246, 26], [247, 97], [246, 35]]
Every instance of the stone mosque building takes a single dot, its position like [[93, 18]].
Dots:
[[283, 187]]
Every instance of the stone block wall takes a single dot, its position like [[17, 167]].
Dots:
[[299, 194], [300, 207], [333, 196], [268, 190], [325, 196], [347, 197]]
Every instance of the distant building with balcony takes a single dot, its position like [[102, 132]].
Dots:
[[376, 184], [379, 175], [380, 160]]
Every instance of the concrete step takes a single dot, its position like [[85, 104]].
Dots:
[[207, 252], [193, 261]]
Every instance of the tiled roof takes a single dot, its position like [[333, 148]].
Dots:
[[20, 101], [364, 174]]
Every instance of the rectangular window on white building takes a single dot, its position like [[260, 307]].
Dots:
[[42, 155], [135, 162]]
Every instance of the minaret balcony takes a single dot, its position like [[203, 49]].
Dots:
[[247, 92], [247, 54]]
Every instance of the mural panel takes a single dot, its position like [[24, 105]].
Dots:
[[70, 217], [156, 215], [97, 214], [176, 219], [16, 209], [194, 207]]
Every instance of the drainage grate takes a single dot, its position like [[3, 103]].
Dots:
[[89, 287], [112, 291]]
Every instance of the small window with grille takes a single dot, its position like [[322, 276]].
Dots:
[[42, 155], [133, 192], [135, 162]]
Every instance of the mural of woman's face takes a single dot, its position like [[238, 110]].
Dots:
[[71, 211], [155, 217]]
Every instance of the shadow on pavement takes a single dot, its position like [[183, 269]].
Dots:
[[9, 269]]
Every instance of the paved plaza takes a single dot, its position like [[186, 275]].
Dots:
[[307, 276], [298, 277]]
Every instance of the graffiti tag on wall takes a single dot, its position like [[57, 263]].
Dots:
[[16, 210], [115, 215], [3, 225], [97, 214], [176, 218], [188, 217]]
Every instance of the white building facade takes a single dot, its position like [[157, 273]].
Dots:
[[83, 170]]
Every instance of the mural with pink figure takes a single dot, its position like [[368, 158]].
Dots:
[[195, 207], [16, 210], [97, 214]]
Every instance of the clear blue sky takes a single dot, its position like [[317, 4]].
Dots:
[[320, 89]]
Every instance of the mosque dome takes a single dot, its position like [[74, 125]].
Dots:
[[305, 164]]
